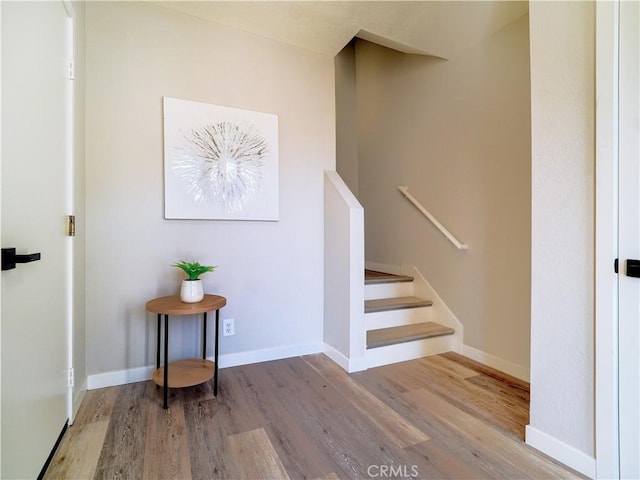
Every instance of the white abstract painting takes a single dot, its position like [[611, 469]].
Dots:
[[220, 163]]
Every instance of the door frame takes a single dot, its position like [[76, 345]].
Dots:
[[0, 238], [606, 242], [70, 202]]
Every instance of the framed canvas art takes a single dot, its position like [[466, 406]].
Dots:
[[220, 163]]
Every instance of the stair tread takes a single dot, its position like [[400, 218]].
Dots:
[[372, 277], [405, 333], [396, 303]]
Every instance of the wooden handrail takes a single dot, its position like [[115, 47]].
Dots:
[[439, 226]]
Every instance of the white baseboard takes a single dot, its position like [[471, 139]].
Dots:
[[347, 364], [498, 363], [77, 400], [560, 451], [268, 354], [119, 377], [142, 374], [336, 356]]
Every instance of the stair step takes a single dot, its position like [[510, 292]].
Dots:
[[388, 290], [372, 277], [396, 303], [406, 333]]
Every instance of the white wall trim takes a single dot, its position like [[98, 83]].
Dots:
[[560, 451], [606, 242], [77, 401], [119, 377], [1, 234], [268, 354], [348, 364], [336, 356], [498, 363], [142, 374], [422, 288], [440, 310]]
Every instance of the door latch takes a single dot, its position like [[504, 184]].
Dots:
[[633, 268], [9, 258]]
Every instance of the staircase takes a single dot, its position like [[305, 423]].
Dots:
[[398, 323]]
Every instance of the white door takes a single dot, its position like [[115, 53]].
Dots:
[[629, 239], [35, 152]]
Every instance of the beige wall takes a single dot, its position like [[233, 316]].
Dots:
[[270, 272], [563, 137], [457, 133], [346, 117]]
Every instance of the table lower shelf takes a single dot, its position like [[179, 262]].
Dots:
[[185, 373]]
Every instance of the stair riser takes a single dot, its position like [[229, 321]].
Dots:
[[402, 352], [396, 318], [388, 290]]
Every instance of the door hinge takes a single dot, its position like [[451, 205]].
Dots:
[[615, 265], [71, 225], [70, 383], [69, 70]]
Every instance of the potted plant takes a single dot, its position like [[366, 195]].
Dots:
[[191, 290]]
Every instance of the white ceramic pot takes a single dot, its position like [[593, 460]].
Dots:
[[191, 291]]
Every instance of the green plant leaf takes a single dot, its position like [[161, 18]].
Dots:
[[193, 269]]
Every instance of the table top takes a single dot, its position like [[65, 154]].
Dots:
[[172, 305]]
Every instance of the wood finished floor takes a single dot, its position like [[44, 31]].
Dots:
[[435, 418]]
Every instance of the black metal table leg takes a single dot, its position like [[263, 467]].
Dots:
[[171, 305], [215, 354], [158, 345], [166, 362], [204, 336]]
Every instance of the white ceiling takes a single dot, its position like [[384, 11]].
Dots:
[[439, 28]]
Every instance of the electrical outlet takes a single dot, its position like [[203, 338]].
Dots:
[[228, 327]]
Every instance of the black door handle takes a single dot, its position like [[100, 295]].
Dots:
[[9, 258], [633, 268]]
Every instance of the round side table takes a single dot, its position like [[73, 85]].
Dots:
[[187, 372]]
